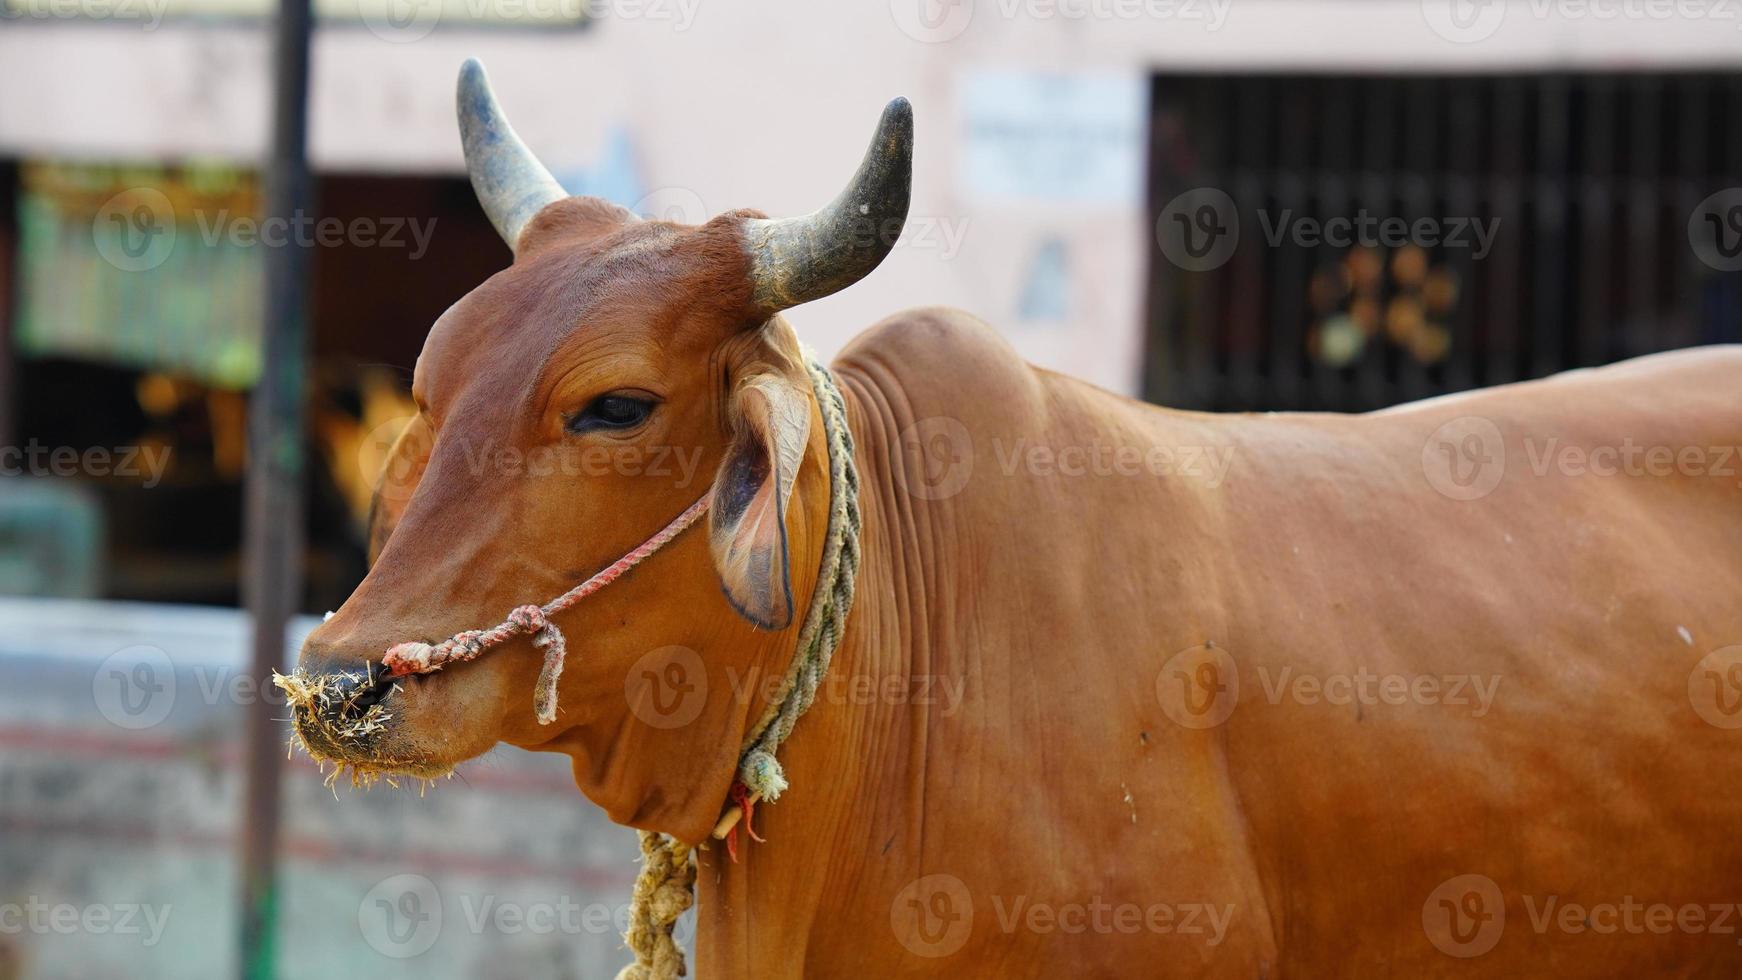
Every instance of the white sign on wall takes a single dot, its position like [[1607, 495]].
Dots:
[[1067, 139]]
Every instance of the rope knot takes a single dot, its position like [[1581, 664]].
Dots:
[[528, 619], [408, 658], [762, 775]]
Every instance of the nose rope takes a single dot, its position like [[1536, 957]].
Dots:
[[534, 621]]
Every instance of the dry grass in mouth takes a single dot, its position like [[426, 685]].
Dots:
[[324, 724]]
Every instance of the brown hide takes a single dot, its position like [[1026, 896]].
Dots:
[[1094, 718], [1063, 821]]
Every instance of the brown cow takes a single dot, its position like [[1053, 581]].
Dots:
[[1126, 691]]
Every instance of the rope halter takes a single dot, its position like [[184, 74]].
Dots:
[[534, 621]]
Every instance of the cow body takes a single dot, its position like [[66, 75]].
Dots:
[[1020, 767], [1452, 688]]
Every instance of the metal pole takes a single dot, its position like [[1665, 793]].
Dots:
[[273, 532], [8, 299]]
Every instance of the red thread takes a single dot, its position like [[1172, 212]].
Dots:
[[741, 796]]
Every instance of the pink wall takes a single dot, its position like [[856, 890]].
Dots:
[[768, 103]]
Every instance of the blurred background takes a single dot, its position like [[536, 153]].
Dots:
[[1217, 204]]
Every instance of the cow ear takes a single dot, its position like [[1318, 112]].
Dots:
[[747, 515], [403, 471]]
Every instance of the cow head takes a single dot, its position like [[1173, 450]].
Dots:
[[568, 408]]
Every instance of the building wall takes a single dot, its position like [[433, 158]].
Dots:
[[121, 777], [768, 104]]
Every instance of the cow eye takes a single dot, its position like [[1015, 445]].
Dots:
[[610, 412]]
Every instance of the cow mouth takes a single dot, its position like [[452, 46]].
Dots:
[[342, 721]]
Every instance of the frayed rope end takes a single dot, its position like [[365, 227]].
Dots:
[[762, 775], [555, 650]]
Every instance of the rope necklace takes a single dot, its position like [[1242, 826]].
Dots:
[[665, 887]]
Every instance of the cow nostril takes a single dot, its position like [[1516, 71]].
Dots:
[[357, 693]]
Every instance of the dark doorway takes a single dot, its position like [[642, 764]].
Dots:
[[1589, 189]]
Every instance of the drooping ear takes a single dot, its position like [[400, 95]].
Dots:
[[771, 420], [400, 475]]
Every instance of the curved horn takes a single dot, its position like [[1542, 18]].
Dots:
[[510, 182], [796, 260]]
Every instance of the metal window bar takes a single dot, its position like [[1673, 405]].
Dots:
[[1592, 178]]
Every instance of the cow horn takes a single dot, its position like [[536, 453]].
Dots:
[[510, 182], [796, 260]]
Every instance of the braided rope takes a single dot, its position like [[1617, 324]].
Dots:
[[664, 890], [665, 887]]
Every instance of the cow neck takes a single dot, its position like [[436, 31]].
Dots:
[[665, 887]]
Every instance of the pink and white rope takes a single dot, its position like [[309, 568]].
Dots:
[[424, 658]]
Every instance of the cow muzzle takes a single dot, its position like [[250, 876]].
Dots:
[[346, 718]]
